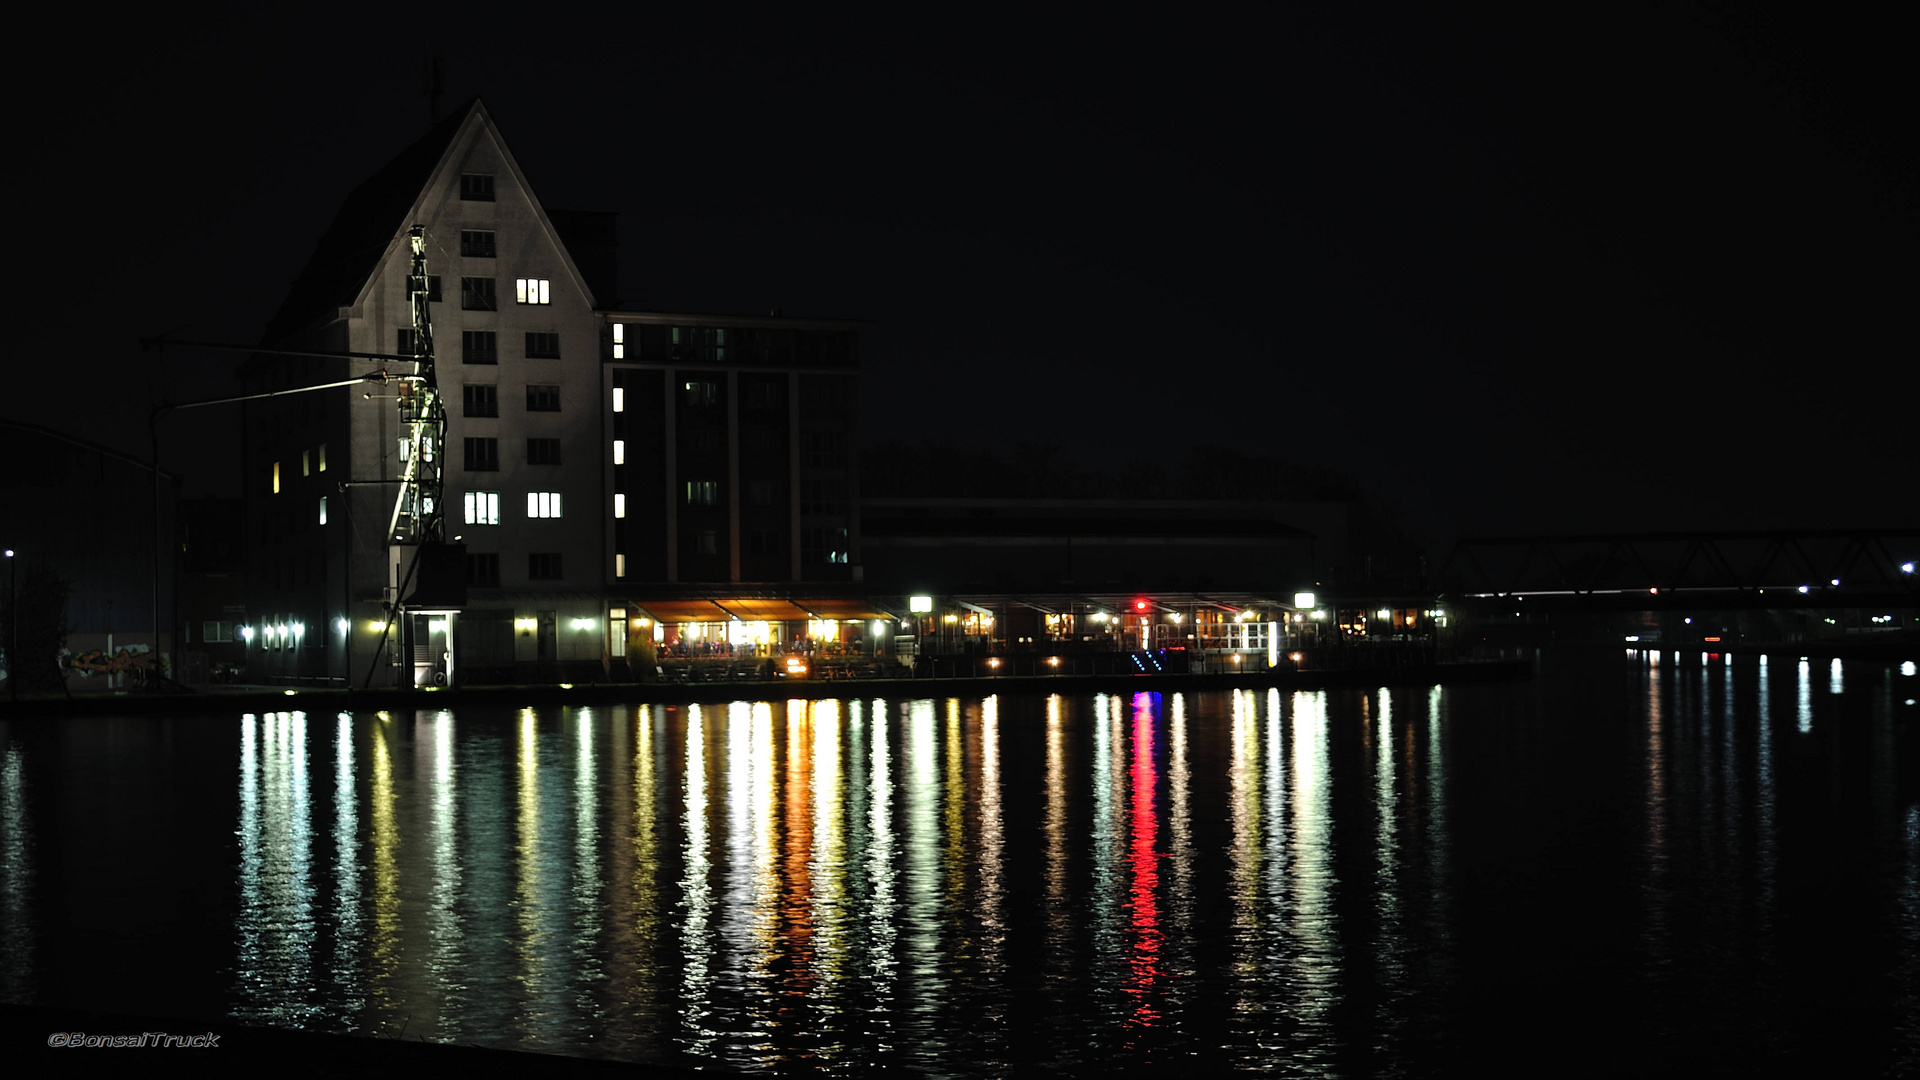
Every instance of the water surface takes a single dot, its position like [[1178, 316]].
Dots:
[[1628, 862]]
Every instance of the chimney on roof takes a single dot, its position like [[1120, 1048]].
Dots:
[[433, 82]]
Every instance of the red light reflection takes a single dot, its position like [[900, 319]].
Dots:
[[1147, 934]]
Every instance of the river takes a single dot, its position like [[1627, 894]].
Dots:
[[1630, 862]]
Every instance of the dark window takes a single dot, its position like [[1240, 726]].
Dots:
[[483, 455], [543, 346], [476, 294], [764, 441], [700, 392], [433, 288], [476, 187], [765, 395], [706, 542], [480, 400], [543, 399], [819, 498], [703, 441], [543, 451], [479, 347], [826, 450], [476, 245], [483, 569], [543, 566], [403, 341], [823, 546], [763, 541], [759, 493]]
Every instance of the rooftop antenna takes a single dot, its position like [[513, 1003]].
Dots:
[[433, 78]]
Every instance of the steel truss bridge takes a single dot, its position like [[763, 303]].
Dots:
[[1824, 568]]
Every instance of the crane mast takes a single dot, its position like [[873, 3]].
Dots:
[[426, 575], [417, 508]]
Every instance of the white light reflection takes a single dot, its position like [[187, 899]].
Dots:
[[16, 880], [829, 909], [696, 895], [276, 922], [1180, 906], [1061, 918], [1804, 686], [445, 935], [882, 927], [991, 902], [1834, 684], [924, 978], [587, 895], [1390, 958], [346, 864], [1317, 967]]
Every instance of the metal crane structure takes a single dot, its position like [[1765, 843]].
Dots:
[[426, 576]]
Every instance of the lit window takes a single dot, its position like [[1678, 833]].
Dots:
[[702, 492], [323, 457], [619, 451], [543, 504], [528, 290], [276, 478], [619, 346], [323, 509], [482, 507], [619, 400], [619, 505], [306, 464], [619, 566], [617, 631]]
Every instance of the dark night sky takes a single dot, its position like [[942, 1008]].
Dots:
[[1633, 268]]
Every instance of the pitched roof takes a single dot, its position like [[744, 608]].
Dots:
[[353, 246]]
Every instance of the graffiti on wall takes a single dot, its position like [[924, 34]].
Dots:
[[137, 658]]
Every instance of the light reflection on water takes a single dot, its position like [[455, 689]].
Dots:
[[1326, 882]]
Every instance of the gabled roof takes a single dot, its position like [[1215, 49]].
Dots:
[[353, 246]]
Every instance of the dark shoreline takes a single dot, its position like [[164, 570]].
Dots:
[[26, 1032]]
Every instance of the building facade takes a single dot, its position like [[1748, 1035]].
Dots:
[[601, 469]]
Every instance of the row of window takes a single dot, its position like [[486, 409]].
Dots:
[[483, 507], [479, 294], [484, 569], [483, 399], [309, 459], [483, 346], [483, 455]]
